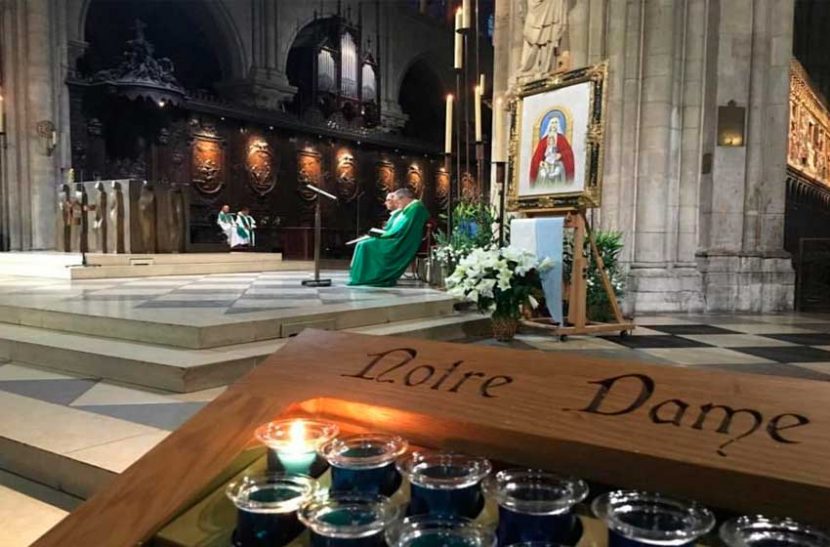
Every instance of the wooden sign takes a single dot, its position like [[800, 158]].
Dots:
[[742, 442]]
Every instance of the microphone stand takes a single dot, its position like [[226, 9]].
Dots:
[[318, 232]]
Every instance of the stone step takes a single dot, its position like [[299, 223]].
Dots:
[[190, 332], [106, 266], [29, 509], [184, 370]]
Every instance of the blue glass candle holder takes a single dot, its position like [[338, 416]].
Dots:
[[429, 531], [759, 531], [348, 519], [535, 506], [364, 463], [293, 444], [267, 507], [445, 484], [640, 518]]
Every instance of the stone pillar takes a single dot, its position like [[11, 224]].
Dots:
[[33, 71], [742, 256], [267, 84]]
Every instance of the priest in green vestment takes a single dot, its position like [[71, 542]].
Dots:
[[391, 204], [380, 261]]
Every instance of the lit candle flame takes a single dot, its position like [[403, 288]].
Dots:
[[297, 437]]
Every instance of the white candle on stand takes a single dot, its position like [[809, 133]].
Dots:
[[448, 127], [459, 43], [468, 12], [2, 115], [498, 152], [481, 83], [478, 113]]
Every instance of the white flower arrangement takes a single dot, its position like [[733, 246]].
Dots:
[[498, 280]]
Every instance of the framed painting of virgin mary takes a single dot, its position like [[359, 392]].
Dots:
[[556, 134]]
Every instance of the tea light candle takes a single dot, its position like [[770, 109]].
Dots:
[[295, 441], [427, 531], [445, 484], [267, 507], [364, 463], [344, 519], [535, 506], [758, 531], [640, 518]]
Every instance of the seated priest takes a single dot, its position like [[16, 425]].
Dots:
[[381, 260], [391, 204], [226, 222]]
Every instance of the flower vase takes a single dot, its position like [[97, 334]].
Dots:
[[504, 327]]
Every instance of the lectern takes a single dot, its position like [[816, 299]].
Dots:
[[317, 282]]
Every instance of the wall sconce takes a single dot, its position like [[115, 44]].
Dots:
[[731, 121], [48, 135]]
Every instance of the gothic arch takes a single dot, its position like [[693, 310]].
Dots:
[[213, 16]]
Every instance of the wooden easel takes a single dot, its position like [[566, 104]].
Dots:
[[577, 321]]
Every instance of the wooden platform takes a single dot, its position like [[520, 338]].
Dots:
[[108, 266]]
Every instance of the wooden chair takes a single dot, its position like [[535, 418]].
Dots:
[[423, 254]]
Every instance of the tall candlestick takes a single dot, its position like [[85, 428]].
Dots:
[[448, 127], [459, 44], [2, 115], [478, 113], [498, 152], [468, 12]]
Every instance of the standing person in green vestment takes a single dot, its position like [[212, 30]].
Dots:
[[243, 234], [226, 222], [380, 261]]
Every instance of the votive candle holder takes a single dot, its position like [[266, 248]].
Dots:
[[364, 463], [637, 518], [760, 531], [267, 506], [535, 506], [431, 531], [293, 444], [444, 483], [348, 519]]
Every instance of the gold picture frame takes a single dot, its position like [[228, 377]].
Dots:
[[548, 175]]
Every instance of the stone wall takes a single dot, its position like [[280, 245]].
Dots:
[[703, 224]]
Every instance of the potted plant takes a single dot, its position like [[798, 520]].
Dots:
[[500, 282], [609, 245], [472, 229]]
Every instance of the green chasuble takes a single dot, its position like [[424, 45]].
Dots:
[[380, 261], [391, 221]]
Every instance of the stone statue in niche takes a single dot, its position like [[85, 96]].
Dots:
[[117, 218], [177, 220], [66, 205], [259, 162], [415, 181], [347, 187], [79, 218], [545, 25], [100, 223], [147, 218]]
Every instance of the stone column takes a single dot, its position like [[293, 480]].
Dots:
[[30, 37], [743, 261]]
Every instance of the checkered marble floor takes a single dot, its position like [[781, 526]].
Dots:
[[794, 345], [201, 299]]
